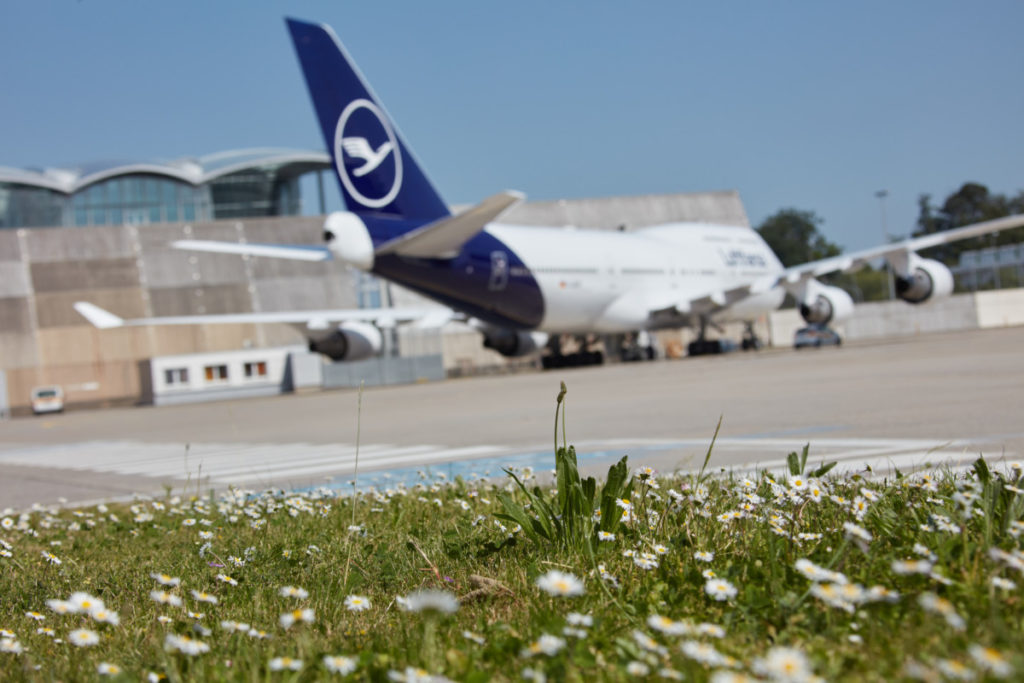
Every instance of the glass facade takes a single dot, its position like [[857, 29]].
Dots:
[[24, 206], [238, 184], [139, 200], [255, 192]]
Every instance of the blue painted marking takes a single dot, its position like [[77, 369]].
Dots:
[[540, 461]]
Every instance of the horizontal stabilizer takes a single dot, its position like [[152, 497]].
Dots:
[[99, 318], [443, 238], [286, 251]]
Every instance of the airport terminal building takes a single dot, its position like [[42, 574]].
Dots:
[[99, 233]]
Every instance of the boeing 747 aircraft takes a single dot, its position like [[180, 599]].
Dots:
[[525, 287]]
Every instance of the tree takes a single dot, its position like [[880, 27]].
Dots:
[[972, 203], [793, 236]]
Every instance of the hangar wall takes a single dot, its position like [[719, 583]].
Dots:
[[130, 271]]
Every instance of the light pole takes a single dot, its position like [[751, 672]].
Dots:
[[882, 194]]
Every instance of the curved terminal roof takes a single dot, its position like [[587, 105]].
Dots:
[[195, 171]]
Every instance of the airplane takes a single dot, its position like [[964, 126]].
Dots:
[[526, 287]]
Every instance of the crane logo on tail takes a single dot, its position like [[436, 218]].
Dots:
[[367, 155]]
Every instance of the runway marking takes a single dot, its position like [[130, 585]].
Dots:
[[256, 465]]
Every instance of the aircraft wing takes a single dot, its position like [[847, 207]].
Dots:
[[314, 320], [896, 250]]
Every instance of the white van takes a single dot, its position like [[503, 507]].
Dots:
[[47, 400]]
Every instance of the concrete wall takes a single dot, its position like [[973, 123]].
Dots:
[[977, 310], [633, 212], [131, 271]]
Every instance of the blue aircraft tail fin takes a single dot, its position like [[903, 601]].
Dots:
[[376, 170]]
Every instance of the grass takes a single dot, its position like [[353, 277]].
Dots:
[[836, 578]]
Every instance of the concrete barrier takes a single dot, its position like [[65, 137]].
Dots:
[[874, 320]]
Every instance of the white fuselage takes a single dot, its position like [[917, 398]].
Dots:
[[610, 281]]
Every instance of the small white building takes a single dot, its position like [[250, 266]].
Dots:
[[217, 375]]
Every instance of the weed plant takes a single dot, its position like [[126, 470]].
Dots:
[[683, 576]]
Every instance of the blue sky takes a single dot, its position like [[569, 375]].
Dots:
[[812, 105]]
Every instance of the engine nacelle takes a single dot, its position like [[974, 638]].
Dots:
[[512, 343], [823, 305], [350, 341], [927, 280], [349, 239]]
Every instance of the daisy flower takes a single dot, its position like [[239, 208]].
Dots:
[[431, 601], [105, 616], [226, 579], [577, 619], [668, 626], [185, 645], [703, 556], [475, 637], [636, 668], [289, 618], [83, 602], [83, 637], [165, 598], [933, 603], [991, 660], [1004, 584], [720, 589], [854, 531], [339, 664], [712, 630], [293, 592], [282, 663], [561, 584], [107, 669], [783, 664], [703, 653], [202, 596], [545, 645], [165, 579], [955, 670], [605, 536], [50, 557], [35, 615], [906, 567], [357, 603], [10, 646]]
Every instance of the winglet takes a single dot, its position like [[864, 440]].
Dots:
[[99, 318]]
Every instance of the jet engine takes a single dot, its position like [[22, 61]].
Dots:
[[927, 279], [349, 239], [350, 341], [512, 343], [825, 304]]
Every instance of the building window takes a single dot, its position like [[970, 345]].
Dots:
[[256, 369], [175, 376], [216, 373]]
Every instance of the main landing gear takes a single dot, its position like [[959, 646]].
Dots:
[[751, 342], [703, 346], [570, 351], [573, 351]]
